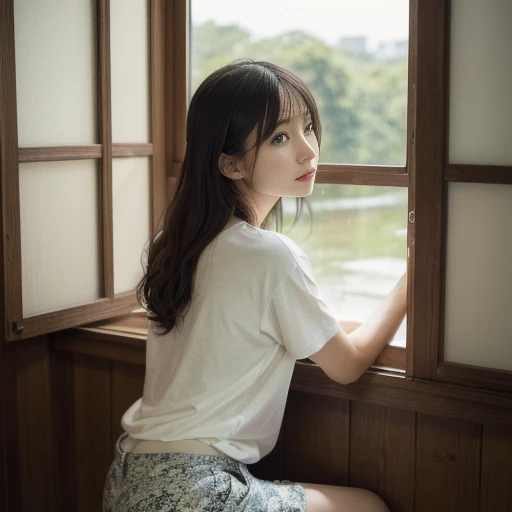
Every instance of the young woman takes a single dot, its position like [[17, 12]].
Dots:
[[231, 307]]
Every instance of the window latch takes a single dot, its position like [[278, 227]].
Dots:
[[16, 329]]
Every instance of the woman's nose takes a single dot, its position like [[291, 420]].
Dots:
[[307, 150]]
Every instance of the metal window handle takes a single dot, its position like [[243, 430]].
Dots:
[[412, 216]]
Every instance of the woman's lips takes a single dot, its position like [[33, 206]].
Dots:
[[307, 176]]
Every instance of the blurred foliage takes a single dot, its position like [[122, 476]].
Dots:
[[362, 102]]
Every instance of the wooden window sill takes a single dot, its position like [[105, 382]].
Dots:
[[392, 358], [124, 339]]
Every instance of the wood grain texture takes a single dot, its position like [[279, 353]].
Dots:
[[159, 99], [447, 465], [390, 390], [178, 22], [431, 46], [59, 153], [94, 443], [316, 439], [105, 122], [10, 200], [35, 426], [362, 175], [382, 453], [466, 173], [10, 484], [80, 315], [412, 99], [496, 473], [83, 152], [64, 431], [475, 376]]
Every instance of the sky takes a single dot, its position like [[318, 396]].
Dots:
[[378, 20]]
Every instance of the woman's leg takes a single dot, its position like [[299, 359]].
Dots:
[[333, 498]]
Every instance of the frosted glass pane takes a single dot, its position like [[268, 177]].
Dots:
[[478, 323], [131, 178], [357, 246], [56, 77], [481, 82], [60, 235], [129, 41]]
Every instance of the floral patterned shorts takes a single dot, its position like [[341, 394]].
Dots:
[[183, 482]]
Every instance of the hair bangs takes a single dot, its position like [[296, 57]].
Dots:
[[286, 98]]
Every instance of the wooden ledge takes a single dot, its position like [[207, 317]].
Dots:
[[388, 388]]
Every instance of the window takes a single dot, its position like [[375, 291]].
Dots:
[[83, 158], [357, 69]]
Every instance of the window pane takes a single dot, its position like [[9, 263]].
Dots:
[[354, 62], [131, 179], [56, 72], [480, 82], [357, 246], [478, 320], [61, 261], [129, 41]]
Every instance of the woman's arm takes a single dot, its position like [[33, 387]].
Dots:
[[372, 336]]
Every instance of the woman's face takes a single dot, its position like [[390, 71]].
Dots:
[[287, 154], [290, 152]]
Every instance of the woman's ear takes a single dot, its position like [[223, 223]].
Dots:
[[230, 167]]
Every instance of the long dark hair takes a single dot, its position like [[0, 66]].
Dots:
[[223, 112]]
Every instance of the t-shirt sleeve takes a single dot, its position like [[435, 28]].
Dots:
[[296, 316]]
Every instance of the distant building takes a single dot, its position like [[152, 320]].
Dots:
[[353, 45], [390, 51]]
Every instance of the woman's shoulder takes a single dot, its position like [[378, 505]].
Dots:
[[284, 249], [269, 250]]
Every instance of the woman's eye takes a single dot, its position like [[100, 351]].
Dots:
[[284, 135]]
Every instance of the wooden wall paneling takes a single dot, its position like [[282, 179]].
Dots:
[[64, 430], [94, 444], [382, 451], [448, 401], [35, 426], [496, 481], [9, 472], [447, 465], [127, 383], [316, 439]]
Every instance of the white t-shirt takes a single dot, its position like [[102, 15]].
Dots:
[[223, 376]]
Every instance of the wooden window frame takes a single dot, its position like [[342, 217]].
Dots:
[[426, 174], [432, 175], [15, 326], [392, 359]]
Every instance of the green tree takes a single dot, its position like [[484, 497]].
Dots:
[[362, 103]]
